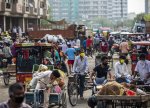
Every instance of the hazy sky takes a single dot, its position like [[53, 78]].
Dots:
[[136, 6]]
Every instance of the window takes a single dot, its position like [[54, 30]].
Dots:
[[42, 5], [8, 4], [27, 5], [15, 1]]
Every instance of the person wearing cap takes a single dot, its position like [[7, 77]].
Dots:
[[143, 68], [121, 71], [81, 66]]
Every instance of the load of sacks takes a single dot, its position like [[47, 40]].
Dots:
[[114, 88], [53, 38]]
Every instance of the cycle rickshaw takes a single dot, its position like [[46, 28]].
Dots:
[[29, 57]]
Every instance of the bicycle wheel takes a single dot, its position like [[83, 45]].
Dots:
[[73, 93], [63, 101], [6, 79]]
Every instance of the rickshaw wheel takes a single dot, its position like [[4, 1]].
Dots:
[[73, 94], [6, 79], [63, 101]]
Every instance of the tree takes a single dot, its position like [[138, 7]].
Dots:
[[139, 17], [102, 21]]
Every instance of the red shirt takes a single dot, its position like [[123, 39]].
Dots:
[[104, 46], [89, 42]]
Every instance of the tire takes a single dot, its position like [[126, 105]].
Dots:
[[63, 101], [73, 94], [6, 79]]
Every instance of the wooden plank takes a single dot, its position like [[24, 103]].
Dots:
[[112, 97]]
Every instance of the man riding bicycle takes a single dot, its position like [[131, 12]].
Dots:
[[81, 67], [101, 71]]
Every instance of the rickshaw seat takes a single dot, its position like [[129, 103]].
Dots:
[[36, 67]]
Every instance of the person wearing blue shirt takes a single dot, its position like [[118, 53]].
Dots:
[[84, 45], [70, 52]]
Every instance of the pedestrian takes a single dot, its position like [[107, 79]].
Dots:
[[14, 32], [84, 44], [104, 46], [7, 53], [16, 97], [124, 49], [81, 67], [19, 31], [70, 53], [64, 47], [78, 43], [110, 42], [89, 45]]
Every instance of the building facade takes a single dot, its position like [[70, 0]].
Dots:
[[75, 10], [147, 6], [23, 13], [64, 9]]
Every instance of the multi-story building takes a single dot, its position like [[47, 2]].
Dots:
[[23, 13], [74, 10], [147, 6], [64, 9]]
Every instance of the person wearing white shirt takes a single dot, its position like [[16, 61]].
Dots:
[[42, 79], [81, 66], [64, 47], [78, 43], [121, 71], [45, 76], [143, 68]]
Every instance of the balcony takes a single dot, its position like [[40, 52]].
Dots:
[[43, 13]]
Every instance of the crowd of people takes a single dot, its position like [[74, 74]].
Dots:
[[74, 54]]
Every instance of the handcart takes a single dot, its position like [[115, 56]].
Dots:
[[140, 101], [9, 72]]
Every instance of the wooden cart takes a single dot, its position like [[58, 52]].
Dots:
[[9, 72], [109, 101]]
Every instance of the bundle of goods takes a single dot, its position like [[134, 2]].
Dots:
[[114, 88]]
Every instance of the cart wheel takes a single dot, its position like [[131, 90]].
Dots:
[[73, 93], [64, 100], [6, 78]]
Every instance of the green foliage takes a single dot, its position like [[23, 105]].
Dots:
[[147, 17], [139, 17], [103, 21]]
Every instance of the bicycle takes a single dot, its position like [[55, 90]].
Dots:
[[74, 87]]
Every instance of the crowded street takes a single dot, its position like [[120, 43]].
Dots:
[[74, 53]]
